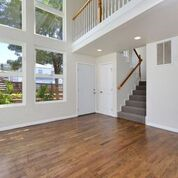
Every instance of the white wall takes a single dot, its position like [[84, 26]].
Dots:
[[32, 113], [162, 89], [124, 66], [112, 59]]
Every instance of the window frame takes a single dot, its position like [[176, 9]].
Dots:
[[54, 76], [55, 12], [17, 74], [163, 60]]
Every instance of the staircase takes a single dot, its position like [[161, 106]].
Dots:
[[135, 109]]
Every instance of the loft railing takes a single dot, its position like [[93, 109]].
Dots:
[[92, 13], [133, 70]]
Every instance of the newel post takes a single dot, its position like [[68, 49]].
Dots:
[[100, 11], [140, 62]]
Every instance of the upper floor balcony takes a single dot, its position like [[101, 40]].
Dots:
[[97, 18]]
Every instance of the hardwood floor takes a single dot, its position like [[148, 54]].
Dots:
[[93, 146]]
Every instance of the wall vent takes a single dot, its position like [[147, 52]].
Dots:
[[164, 53]]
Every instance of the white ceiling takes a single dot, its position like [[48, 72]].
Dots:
[[156, 24]]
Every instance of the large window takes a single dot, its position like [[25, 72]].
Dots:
[[49, 76], [11, 13], [10, 74], [46, 19], [49, 18]]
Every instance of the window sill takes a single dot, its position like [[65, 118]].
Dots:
[[4, 106], [50, 102]]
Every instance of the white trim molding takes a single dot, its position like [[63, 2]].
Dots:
[[170, 129], [18, 126]]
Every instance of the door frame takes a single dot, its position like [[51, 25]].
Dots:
[[77, 84], [114, 87]]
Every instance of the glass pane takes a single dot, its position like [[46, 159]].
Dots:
[[48, 24], [160, 54], [167, 46], [11, 13], [49, 89], [10, 61], [57, 4], [10, 90], [48, 63], [10, 58]]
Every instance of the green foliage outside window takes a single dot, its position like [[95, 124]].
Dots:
[[44, 94], [5, 98], [8, 96], [9, 87]]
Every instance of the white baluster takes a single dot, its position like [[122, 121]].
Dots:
[[87, 17]]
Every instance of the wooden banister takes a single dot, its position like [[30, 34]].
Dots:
[[92, 13], [133, 70], [100, 10], [81, 9]]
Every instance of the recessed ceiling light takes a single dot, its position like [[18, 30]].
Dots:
[[137, 38], [99, 50]]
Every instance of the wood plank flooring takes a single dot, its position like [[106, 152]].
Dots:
[[93, 146]]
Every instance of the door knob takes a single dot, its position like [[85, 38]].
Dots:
[[101, 91]]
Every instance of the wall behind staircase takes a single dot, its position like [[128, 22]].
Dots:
[[124, 65], [162, 89]]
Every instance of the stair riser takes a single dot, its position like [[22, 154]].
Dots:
[[139, 92], [137, 98], [136, 104], [141, 88], [134, 111], [131, 118], [142, 83]]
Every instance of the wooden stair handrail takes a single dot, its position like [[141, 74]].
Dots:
[[81, 9], [100, 10], [133, 70]]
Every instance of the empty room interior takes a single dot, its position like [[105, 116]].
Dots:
[[88, 89]]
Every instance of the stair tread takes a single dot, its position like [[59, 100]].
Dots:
[[142, 87], [140, 91], [136, 101], [132, 117], [142, 83], [131, 114], [134, 107], [138, 96]]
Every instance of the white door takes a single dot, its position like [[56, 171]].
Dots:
[[106, 89], [86, 89]]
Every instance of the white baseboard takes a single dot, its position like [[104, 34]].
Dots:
[[162, 127], [111, 115], [35, 123]]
